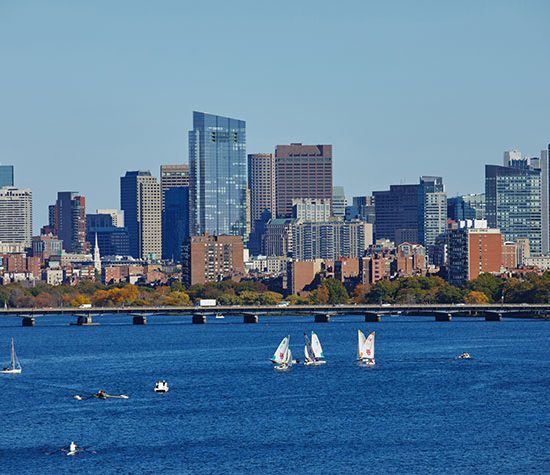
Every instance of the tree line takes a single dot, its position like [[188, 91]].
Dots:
[[487, 288]]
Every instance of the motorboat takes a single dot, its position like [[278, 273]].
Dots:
[[161, 387]]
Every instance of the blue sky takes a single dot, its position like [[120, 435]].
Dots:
[[400, 88]]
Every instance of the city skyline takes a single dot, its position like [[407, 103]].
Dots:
[[439, 89]]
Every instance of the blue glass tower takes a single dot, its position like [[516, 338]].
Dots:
[[6, 175], [218, 176], [175, 222]]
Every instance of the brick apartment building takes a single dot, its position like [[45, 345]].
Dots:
[[212, 259]]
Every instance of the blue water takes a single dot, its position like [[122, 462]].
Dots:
[[418, 411]]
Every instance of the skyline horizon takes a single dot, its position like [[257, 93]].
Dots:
[[156, 174]]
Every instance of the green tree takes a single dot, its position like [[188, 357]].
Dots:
[[337, 293], [491, 285]]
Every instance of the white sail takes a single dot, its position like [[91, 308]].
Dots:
[[281, 351], [288, 359], [316, 346], [309, 354], [360, 345], [369, 347], [15, 365]]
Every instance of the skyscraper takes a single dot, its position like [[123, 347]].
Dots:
[[261, 183], [544, 167], [175, 222], [218, 177], [141, 202], [472, 206], [116, 215], [302, 171], [173, 176], [432, 209], [69, 221], [339, 202], [6, 175], [513, 202], [112, 240], [397, 213], [16, 215]]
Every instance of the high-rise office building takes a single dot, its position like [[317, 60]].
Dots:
[[434, 219], [261, 185], [112, 240], [116, 215], [173, 176], [544, 166], [16, 216], [330, 240], [68, 221], [513, 202], [432, 209], [472, 206], [141, 202], [362, 208], [302, 171], [339, 202], [175, 222], [311, 210], [513, 157], [6, 175], [396, 213], [218, 177]]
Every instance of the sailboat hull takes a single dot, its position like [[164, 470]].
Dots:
[[11, 371], [314, 363], [282, 367], [366, 362]]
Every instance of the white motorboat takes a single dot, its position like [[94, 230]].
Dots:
[[161, 387], [282, 358], [15, 365], [365, 349], [313, 351], [72, 449]]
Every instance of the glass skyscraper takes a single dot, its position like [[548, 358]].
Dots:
[[175, 222], [218, 177], [514, 203], [6, 175]]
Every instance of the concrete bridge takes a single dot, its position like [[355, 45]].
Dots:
[[320, 313]]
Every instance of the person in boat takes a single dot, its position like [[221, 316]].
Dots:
[[72, 447], [101, 394]]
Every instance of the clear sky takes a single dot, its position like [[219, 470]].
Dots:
[[400, 88]]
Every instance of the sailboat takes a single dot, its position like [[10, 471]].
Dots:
[[15, 365], [313, 351], [282, 358], [365, 349]]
